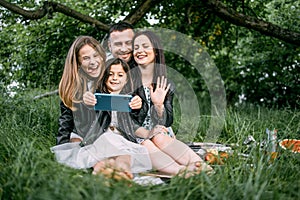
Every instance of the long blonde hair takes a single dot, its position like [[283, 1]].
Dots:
[[73, 83]]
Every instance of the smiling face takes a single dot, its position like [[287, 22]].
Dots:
[[120, 44], [143, 51], [90, 61], [117, 79]]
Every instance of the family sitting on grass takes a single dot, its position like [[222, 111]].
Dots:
[[114, 143]]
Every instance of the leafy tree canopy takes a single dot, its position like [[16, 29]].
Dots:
[[255, 44]]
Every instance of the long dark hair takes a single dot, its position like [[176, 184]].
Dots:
[[160, 68], [128, 88]]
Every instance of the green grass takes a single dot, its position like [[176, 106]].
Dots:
[[28, 169]]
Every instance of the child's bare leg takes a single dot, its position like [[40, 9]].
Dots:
[[161, 161]]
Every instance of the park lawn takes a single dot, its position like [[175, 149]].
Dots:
[[28, 169]]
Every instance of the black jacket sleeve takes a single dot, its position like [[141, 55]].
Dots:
[[65, 123], [167, 119]]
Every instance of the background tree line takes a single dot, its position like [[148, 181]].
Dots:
[[254, 44]]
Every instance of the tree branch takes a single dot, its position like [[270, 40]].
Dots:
[[37, 14], [47, 94], [51, 7], [249, 22], [216, 6], [139, 12], [77, 15]]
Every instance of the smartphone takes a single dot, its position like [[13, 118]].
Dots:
[[113, 102]]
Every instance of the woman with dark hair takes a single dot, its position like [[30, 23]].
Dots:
[[151, 73], [167, 154]]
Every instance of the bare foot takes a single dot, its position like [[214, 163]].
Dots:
[[123, 165], [195, 168], [101, 165], [115, 168]]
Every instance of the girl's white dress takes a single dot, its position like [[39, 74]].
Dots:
[[109, 144]]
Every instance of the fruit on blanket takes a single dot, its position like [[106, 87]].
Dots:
[[290, 144], [216, 159]]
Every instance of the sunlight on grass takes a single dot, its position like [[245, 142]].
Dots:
[[28, 169]]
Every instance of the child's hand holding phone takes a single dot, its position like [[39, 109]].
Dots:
[[135, 103], [89, 99]]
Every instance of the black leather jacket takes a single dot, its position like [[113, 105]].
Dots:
[[85, 122], [128, 124], [90, 124], [65, 124], [167, 119]]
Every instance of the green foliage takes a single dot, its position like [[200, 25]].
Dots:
[[267, 85], [33, 52], [28, 169], [283, 13], [264, 69]]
